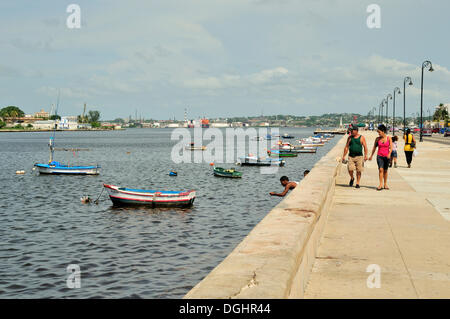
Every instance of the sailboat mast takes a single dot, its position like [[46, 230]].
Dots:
[[51, 143]]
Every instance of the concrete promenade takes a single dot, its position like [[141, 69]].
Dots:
[[404, 230]]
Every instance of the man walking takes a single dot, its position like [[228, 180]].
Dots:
[[354, 146]]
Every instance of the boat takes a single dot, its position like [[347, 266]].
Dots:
[[306, 150], [230, 173], [57, 168], [192, 147], [277, 153], [299, 150], [173, 173], [287, 136], [121, 196], [260, 161], [257, 138]]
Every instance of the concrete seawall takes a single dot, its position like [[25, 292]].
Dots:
[[275, 259]]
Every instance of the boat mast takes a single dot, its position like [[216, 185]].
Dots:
[[51, 143]]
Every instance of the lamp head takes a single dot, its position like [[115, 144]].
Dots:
[[431, 69], [410, 82]]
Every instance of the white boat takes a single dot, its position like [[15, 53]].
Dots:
[[57, 168], [128, 196], [192, 147], [54, 167], [260, 161]]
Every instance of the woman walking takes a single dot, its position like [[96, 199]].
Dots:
[[410, 145], [384, 144]]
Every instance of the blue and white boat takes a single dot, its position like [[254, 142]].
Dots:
[[57, 168], [54, 167], [121, 196]]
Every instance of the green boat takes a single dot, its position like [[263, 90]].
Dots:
[[282, 154], [231, 173]]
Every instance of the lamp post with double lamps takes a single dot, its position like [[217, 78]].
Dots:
[[407, 79], [425, 65], [389, 96], [396, 90]]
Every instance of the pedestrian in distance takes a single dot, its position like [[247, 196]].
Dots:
[[384, 144], [410, 146], [354, 147]]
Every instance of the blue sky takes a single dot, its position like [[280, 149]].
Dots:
[[221, 57]]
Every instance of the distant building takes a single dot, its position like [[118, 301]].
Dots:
[[42, 114], [68, 123], [44, 125], [84, 126], [220, 124]]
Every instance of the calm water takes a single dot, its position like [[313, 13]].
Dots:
[[134, 252]]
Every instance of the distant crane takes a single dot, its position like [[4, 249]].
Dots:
[[83, 119]]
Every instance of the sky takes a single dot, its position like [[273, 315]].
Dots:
[[221, 58]]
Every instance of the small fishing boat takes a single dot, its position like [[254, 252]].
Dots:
[[287, 136], [152, 198], [260, 161], [192, 147], [54, 167], [276, 153], [57, 168], [230, 173], [306, 150]]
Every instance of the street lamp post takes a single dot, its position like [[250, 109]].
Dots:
[[389, 96], [396, 90], [407, 79], [429, 65]]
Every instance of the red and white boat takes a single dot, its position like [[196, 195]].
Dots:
[[154, 198]]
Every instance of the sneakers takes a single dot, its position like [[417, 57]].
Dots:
[[357, 186], [395, 165], [351, 182]]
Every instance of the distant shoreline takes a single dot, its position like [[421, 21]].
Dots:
[[77, 130]]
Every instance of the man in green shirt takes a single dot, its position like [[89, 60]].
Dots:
[[354, 147]]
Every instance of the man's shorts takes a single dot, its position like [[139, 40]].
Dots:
[[356, 163]]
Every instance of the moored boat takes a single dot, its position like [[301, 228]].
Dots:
[[192, 147], [58, 168], [277, 153], [287, 136], [152, 198], [260, 161], [230, 173]]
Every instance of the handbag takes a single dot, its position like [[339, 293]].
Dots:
[[412, 144], [416, 153]]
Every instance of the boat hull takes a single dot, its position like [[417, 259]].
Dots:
[[219, 172], [132, 197], [259, 162], [67, 170]]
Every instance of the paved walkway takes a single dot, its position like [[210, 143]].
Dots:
[[404, 230]]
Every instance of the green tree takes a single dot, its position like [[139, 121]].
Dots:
[[11, 111], [2, 124], [54, 117], [441, 113], [93, 118]]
